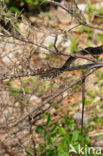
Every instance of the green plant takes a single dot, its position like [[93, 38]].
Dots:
[[17, 92], [100, 75], [50, 15], [91, 93], [87, 30], [100, 37], [96, 121], [87, 101], [17, 5], [59, 138], [97, 13], [51, 45], [99, 79], [91, 9], [73, 46]]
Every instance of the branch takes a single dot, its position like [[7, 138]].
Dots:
[[80, 20], [53, 96], [38, 72]]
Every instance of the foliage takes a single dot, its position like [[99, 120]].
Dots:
[[100, 37], [73, 47], [17, 5], [87, 30], [91, 9], [96, 12], [59, 137]]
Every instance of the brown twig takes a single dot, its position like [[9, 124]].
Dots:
[[51, 97]]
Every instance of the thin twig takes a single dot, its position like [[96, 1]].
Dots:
[[52, 97], [70, 12], [55, 41], [32, 137], [83, 102]]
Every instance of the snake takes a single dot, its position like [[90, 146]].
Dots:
[[52, 72]]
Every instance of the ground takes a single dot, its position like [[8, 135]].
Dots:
[[20, 96]]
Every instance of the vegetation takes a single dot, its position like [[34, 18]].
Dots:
[[57, 140], [39, 110], [17, 5]]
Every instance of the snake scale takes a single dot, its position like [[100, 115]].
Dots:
[[52, 72]]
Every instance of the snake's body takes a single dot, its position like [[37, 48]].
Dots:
[[53, 72]]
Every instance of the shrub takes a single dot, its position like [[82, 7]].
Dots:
[[17, 5]]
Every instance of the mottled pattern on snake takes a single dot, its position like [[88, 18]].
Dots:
[[51, 72]]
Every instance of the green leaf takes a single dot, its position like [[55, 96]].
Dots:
[[62, 131], [49, 120], [27, 90], [14, 93], [32, 80], [28, 153], [54, 130], [87, 139], [31, 149], [39, 90], [14, 9], [39, 129], [47, 85], [15, 86], [100, 37], [61, 151], [73, 47], [8, 83], [75, 136], [51, 45], [46, 135], [29, 1], [36, 2]]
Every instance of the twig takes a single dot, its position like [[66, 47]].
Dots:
[[32, 137], [91, 50], [37, 73], [55, 41], [83, 102], [52, 97], [55, 53], [71, 28], [70, 12]]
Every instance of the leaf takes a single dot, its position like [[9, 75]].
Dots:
[[73, 45], [49, 120], [46, 135], [47, 85], [75, 136], [100, 37], [14, 9], [31, 149], [15, 86], [39, 129], [87, 139], [27, 90], [61, 151], [54, 129], [51, 45], [62, 131], [14, 93], [28, 153]]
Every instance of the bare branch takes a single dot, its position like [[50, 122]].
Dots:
[[52, 97]]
